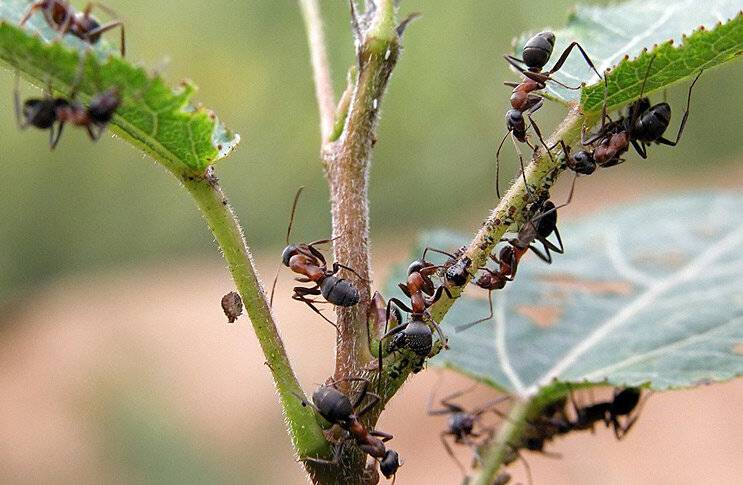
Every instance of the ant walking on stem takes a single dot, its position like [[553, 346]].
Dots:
[[306, 260], [525, 98], [63, 18]]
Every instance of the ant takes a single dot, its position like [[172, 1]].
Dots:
[[63, 18], [525, 99], [44, 113], [338, 409], [539, 228], [306, 260], [623, 403], [642, 124], [415, 334], [461, 422]]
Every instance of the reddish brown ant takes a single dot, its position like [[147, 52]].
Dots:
[[642, 124], [63, 18], [525, 100], [461, 423], [47, 112], [306, 260], [541, 225], [338, 409]]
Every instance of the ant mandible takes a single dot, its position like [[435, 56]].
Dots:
[[63, 18], [642, 124], [47, 112], [338, 409], [525, 99], [306, 260], [461, 423]]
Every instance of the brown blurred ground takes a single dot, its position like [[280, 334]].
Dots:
[[92, 364]]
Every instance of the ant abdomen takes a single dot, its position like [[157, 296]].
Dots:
[[332, 404], [625, 401], [339, 291], [538, 49], [461, 424], [418, 338], [653, 123]]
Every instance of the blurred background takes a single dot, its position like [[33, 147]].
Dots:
[[116, 364]]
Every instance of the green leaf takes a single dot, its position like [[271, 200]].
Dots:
[[154, 118], [684, 36], [646, 295]]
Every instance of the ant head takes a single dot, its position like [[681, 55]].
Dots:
[[41, 113], [390, 463], [462, 423], [583, 163], [416, 266], [57, 10], [289, 251], [514, 119], [86, 23], [538, 49], [103, 106]]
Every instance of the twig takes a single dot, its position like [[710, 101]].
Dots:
[[306, 434], [320, 66]]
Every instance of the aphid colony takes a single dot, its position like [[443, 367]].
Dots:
[[640, 125]]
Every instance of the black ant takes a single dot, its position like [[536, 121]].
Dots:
[[461, 423], [63, 18], [642, 124], [338, 409], [525, 99], [44, 113], [306, 260], [623, 403], [415, 334], [538, 228]]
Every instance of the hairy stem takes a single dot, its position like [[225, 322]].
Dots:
[[320, 66], [306, 434], [501, 448]]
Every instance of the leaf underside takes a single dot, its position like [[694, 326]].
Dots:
[[635, 300], [153, 117], [684, 37]]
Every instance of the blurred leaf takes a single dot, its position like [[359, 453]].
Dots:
[[650, 294], [157, 120], [706, 36]]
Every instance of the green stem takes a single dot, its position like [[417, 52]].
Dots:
[[307, 436], [497, 453]]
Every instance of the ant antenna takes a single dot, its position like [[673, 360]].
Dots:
[[635, 111], [288, 233]]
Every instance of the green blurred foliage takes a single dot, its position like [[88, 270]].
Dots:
[[442, 119]]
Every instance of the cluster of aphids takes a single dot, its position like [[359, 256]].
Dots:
[[558, 418], [52, 113]]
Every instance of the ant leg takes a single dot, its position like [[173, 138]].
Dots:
[[105, 28], [640, 149], [337, 449], [566, 53], [497, 165], [440, 333], [381, 434], [521, 162], [30, 11], [336, 267], [434, 250], [450, 452], [300, 295], [537, 130], [22, 125], [488, 405], [510, 84], [466, 326], [54, 140], [683, 120], [547, 258]]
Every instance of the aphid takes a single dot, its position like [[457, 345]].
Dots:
[[232, 305]]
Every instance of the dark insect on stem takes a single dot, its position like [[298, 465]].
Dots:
[[308, 261], [64, 19], [525, 100], [461, 423], [415, 334], [389, 465], [538, 229], [52, 113], [232, 305], [642, 124], [338, 409]]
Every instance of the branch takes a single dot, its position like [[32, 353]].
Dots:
[[320, 65], [502, 448], [306, 434]]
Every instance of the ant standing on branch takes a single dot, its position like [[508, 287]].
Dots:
[[307, 261]]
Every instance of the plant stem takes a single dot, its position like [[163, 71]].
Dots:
[[510, 432], [320, 66], [307, 436]]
